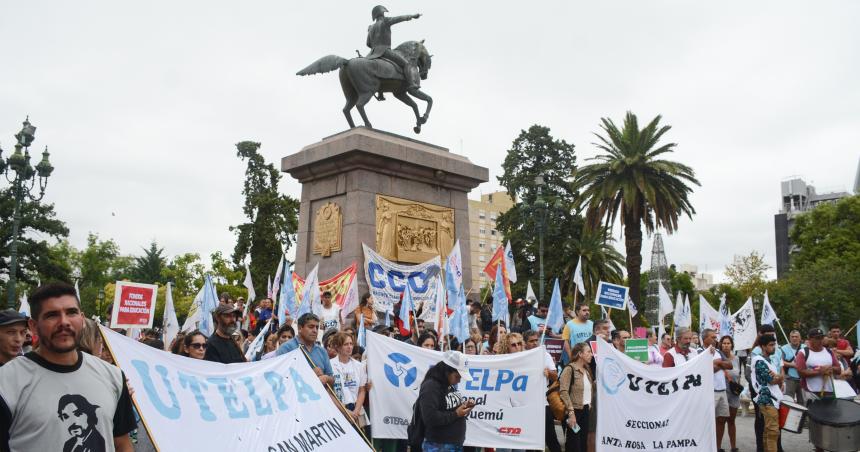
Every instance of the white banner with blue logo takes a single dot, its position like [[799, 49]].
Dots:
[[508, 390], [188, 404], [386, 280], [652, 408]]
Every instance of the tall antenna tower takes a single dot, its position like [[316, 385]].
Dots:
[[659, 274]]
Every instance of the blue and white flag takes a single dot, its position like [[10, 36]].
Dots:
[[500, 298], [407, 305], [287, 301], [257, 344], [459, 322], [362, 333], [276, 283], [207, 305], [631, 307], [555, 316], [768, 315], [169, 322], [725, 318], [310, 294], [388, 319], [577, 277], [24, 307], [454, 269]]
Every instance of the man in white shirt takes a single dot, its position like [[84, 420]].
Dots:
[[329, 313], [721, 364]]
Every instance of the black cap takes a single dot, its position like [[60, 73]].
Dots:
[[815, 332], [11, 317]]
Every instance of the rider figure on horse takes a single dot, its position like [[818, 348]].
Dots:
[[379, 41]]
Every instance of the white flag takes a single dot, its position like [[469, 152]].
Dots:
[[193, 319], [708, 316], [311, 293], [679, 309], [257, 345], [577, 277], [683, 315], [251, 295], [768, 315], [606, 316], [276, 283], [631, 307], [725, 317], [24, 308], [743, 326], [509, 263], [350, 302], [530, 293], [666, 307], [170, 323]]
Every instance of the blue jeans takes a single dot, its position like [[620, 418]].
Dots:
[[428, 446]]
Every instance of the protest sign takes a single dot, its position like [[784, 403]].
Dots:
[[653, 408], [386, 280], [273, 405], [640, 332], [508, 391], [133, 305], [637, 349], [611, 295], [554, 347]]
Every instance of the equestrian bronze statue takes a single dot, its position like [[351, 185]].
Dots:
[[384, 70]]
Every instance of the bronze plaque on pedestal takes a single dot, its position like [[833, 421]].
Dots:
[[327, 229], [411, 231]]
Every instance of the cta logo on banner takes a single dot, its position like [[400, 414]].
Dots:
[[508, 390], [386, 280], [651, 408], [611, 295], [277, 404], [133, 305]]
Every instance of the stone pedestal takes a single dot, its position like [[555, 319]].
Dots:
[[351, 168]]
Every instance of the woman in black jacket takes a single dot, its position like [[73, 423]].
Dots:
[[443, 410]]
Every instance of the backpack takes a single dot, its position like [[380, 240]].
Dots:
[[415, 430]]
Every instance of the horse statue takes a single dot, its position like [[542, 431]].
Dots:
[[361, 78]]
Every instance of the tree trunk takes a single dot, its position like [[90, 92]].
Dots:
[[633, 247]]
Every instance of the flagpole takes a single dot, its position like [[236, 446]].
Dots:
[[630, 319], [779, 324], [845, 334]]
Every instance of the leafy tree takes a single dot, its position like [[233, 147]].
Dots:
[[151, 267], [272, 217], [748, 274], [101, 263], [633, 183], [39, 223], [828, 231], [186, 272], [535, 152]]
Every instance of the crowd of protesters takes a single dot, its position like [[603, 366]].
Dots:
[[56, 358]]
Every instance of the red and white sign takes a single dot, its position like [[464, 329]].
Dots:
[[133, 305]]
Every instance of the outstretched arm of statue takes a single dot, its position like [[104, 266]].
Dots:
[[398, 19]]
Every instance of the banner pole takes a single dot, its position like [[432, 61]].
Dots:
[[340, 404], [630, 319], [845, 334]]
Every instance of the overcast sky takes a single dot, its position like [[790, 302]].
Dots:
[[141, 103]]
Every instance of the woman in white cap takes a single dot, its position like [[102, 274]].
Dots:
[[441, 410]]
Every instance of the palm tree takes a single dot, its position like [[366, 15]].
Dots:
[[632, 183], [600, 260]]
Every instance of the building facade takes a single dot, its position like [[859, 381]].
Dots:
[[484, 238], [797, 197], [701, 281]]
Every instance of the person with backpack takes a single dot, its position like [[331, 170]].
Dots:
[[817, 367], [439, 415], [576, 390]]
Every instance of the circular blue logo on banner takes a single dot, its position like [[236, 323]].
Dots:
[[397, 369], [612, 376]]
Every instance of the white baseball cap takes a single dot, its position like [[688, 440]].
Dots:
[[459, 362]]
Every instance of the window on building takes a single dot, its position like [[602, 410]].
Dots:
[[493, 232], [482, 245], [493, 216], [482, 215], [482, 258], [482, 231]]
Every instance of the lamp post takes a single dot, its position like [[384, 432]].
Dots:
[[22, 177], [541, 206]]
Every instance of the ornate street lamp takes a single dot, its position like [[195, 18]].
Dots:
[[22, 177], [540, 210]]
